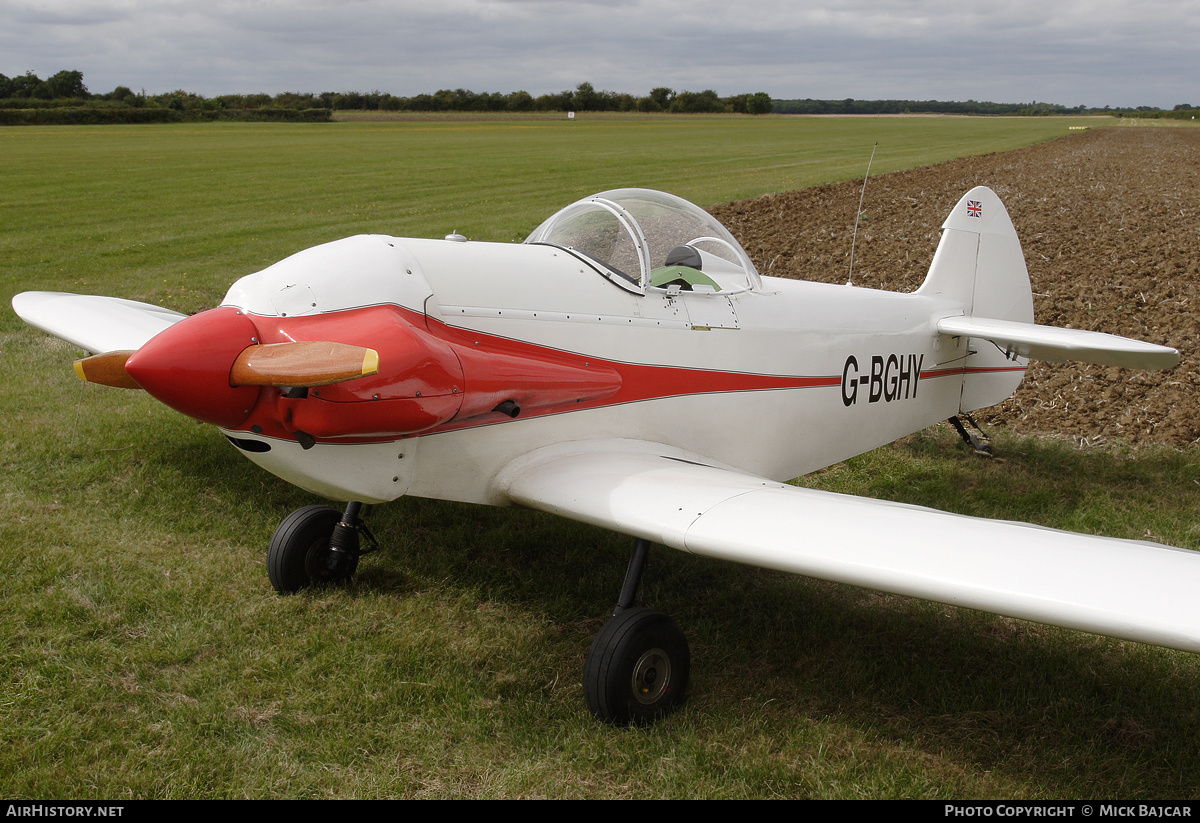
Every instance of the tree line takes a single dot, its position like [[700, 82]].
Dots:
[[1031, 109], [68, 88]]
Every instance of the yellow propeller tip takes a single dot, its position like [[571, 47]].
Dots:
[[370, 362]]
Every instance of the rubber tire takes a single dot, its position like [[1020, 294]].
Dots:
[[298, 555], [636, 639]]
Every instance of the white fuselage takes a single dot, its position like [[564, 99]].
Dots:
[[857, 367]]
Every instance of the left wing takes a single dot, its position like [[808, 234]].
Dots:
[[1122, 588]]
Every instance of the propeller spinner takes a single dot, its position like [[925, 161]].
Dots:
[[211, 366]]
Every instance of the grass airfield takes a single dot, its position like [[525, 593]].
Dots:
[[146, 656]]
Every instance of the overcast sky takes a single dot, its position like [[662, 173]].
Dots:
[[1089, 52]]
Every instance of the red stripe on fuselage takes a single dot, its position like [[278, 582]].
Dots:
[[932, 373], [639, 381]]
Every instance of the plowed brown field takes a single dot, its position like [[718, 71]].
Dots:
[[1110, 223]]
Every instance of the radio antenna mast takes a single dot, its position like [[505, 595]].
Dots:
[[854, 237]]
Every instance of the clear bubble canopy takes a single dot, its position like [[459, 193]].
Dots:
[[640, 237]]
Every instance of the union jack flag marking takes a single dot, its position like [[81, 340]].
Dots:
[[974, 208]]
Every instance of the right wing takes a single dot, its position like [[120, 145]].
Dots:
[[93, 323], [1122, 588]]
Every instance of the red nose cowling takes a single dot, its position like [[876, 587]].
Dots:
[[187, 366], [429, 375]]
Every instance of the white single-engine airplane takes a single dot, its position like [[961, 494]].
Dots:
[[628, 367]]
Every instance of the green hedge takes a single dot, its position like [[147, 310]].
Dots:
[[91, 115]]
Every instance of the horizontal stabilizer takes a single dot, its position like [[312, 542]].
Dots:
[[93, 323], [1122, 588], [1061, 345]]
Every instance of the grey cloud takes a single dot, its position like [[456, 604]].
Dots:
[[1096, 52]]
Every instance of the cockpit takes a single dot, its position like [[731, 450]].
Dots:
[[642, 240]]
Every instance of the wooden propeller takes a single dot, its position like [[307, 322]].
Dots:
[[304, 363], [107, 369]]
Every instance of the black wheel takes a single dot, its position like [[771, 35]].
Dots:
[[299, 555], [637, 668]]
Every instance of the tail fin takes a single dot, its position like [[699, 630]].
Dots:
[[979, 264]]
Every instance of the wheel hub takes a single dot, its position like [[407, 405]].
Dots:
[[651, 676]]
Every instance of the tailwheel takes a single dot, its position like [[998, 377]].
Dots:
[[313, 546], [637, 668]]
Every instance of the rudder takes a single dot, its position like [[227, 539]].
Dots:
[[979, 264]]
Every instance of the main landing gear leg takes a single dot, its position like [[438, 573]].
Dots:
[[637, 666], [317, 546]]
